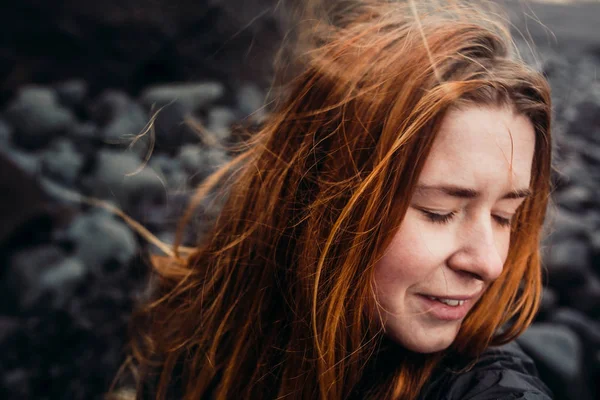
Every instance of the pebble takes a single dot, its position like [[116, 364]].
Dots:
[[72, 93], [191, 96], [585, 297], [28, 162], [170, 172], [558, 347], [122, 177], [62, 161], [37, 116], [567, 262], [559, 352], [219, 122], [6, 133], [25, 269], [198, 162], [171, 129], [250, 101], [99, 239]]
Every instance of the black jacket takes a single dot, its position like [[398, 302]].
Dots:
[[501, 373]]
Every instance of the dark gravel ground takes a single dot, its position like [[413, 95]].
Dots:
[[70, 273]]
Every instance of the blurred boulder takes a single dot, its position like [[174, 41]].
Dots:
[[558, 353], [72, 93], [122, 122], [191, 96], [199, 162], [122, 177], [24, 271], [22, 203], [6, 133], [37, 116], [101, 242], [62, 161]]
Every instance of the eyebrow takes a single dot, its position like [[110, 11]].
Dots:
[[468, 193]]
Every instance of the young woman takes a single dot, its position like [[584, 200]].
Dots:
[[379, 235]]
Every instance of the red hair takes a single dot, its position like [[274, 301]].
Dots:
[[273, 302]]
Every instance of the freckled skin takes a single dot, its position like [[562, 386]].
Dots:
[[463, 255]]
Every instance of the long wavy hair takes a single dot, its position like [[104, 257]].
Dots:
[[275, 300]]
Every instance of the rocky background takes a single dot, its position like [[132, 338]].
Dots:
[[78, 80]]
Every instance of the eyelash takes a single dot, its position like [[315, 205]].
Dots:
[[445, 218]]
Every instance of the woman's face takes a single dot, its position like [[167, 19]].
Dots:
[[454, 239]]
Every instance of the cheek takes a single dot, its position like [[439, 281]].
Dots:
[[503, 245], [397, 261], [411, 257]]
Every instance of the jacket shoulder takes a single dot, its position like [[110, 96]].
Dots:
[[501, 373]]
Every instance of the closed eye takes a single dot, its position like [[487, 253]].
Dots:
[[438, 218], [445, 218], [504, 222]]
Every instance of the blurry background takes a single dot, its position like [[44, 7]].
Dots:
[[79, 79]]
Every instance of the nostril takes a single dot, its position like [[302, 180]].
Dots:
[[473, 275]]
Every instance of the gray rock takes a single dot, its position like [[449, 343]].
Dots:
[[167, 237], [591, 154], [122, 177], [37, 116], [86, 130], [121, 121], [585, 297], [588, 330], [192, 96], [72, 93], [250, 102], [585, 327], [557, 345], [25, 269], [576, 198], [8, 327], [6, 133], [583, 114], [558, 351], [567, 263], [571, 170], [109, 104], [595, 245], [98, 240], [219, 122], [28, 162], [61, 161], [190, 157], [62, 196], [199, 162], [549, 302], [62, 278], [170, 127], [18, 381], [127, 131], [170, 171], [563, 224]]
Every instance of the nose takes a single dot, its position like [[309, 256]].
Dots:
[[479, 253]]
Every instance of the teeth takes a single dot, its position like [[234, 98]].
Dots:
[[451, 303]]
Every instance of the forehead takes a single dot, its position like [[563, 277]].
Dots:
[[482, 147]]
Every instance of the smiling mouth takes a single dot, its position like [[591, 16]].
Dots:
[[453, 308], [450, 302]]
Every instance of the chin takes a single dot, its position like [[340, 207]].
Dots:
[[424, 342], [430, 345]]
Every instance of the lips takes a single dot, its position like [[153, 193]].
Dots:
[[450, 302], [446, 308], [452, 296]]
